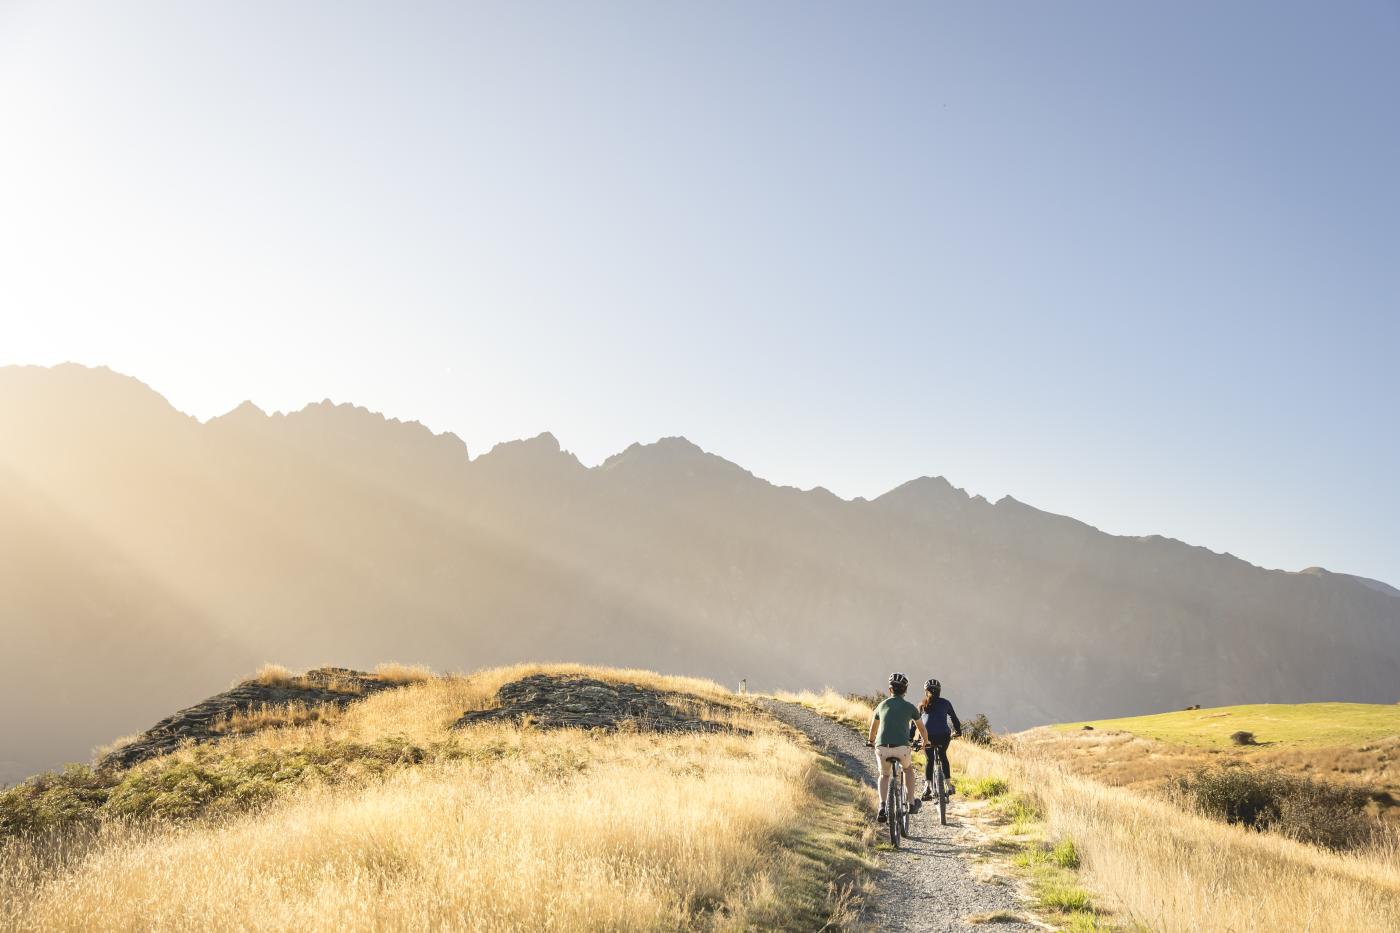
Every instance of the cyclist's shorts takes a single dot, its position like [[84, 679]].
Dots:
[[902, 752]]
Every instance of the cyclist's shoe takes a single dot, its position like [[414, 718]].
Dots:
[[915, 805], [880, 817], [928, 794], [951, 789]]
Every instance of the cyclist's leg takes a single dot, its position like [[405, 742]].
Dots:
[[882, 752], [943, 754], [905, 754]]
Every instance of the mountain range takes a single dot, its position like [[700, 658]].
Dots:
[[147, 559]]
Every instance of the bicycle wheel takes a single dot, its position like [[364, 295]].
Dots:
[[892, 807], [942, 791]]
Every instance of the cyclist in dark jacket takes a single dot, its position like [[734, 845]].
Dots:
[[934, 713]]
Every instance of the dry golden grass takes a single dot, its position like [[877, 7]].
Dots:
[[835, 705], [272, 715], [1175, 871], [528, 830], [274, 675], [397, 673], [102, 751], [1123, 758]]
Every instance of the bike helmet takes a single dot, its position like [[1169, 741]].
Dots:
[[932, 685], [898, 680]]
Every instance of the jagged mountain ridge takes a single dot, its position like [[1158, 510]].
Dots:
[[158, 557]]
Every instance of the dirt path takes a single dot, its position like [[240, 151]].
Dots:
[[926, 885]]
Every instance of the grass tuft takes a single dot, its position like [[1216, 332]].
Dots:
[[396, 673], [983, 788], [1065, 854], [274, 675]]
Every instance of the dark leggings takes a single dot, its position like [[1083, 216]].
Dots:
[[942, 745]]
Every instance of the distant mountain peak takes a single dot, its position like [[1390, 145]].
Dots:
[[670, 457], [539, 454], [925, 496], [245, 413]]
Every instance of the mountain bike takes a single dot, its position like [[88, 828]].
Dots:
[[935, 758], [896, 802]]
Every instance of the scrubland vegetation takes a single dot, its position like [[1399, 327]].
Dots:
[[1349, 752], [385, 817]]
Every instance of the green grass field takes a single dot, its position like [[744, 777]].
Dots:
[[1312, 725]]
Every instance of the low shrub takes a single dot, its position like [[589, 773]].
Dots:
[[208, 780], [871, 700], [1314, 812], [1243, 738], [978, 729], [54, 799]]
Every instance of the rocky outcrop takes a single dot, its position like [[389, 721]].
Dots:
[[204, 722], [555, 702]]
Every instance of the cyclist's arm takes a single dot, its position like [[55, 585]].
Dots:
[[922, 731], [874, 724], [952, 714]]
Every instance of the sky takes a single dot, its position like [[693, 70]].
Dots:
[[1139, 265]]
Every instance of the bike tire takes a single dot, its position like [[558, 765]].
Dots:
[[892, 809], [942, 792]]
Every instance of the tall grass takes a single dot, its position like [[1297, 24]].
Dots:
[[838, 706], [396, 672], [1174, 870], [525, 830]]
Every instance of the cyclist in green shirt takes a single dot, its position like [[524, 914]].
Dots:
[[891, 721]]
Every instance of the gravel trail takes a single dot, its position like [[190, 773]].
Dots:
[[926, 885]]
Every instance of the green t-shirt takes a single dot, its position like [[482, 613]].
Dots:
[[895, 714]]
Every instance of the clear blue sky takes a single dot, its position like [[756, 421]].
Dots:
[[1137, 265]]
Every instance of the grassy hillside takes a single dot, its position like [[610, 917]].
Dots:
[[1159, 863], [1305, 725], [1352, 745], [385, 816]]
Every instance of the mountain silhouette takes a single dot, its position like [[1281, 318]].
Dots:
[[147, 559]]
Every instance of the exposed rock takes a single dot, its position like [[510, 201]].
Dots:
[[553, 702], [326, 686]]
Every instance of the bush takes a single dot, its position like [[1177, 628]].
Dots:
[[1243, 738], [209, 780], [1312, 812], [978, 730], [871, 700], [53, 799]]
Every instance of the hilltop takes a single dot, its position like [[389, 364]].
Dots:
[[534, 797], [148, 558]]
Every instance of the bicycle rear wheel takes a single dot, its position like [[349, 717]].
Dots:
[[892, 807], [942, 792]]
